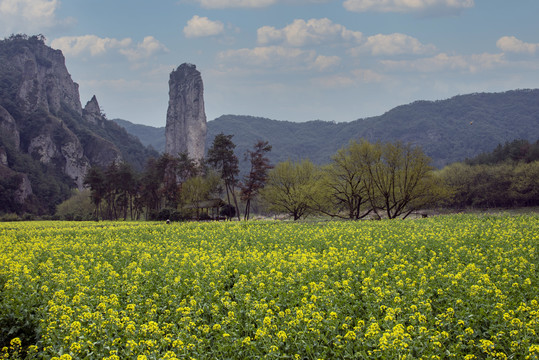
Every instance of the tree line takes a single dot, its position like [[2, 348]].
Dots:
[[506, 177], [362, 180], [394, 180], [173, 187], [379, 179]]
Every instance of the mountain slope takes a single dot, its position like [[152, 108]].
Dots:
[[447, 130], [148, 135], [47, 140]]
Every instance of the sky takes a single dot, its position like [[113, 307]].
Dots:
[[294, 60]]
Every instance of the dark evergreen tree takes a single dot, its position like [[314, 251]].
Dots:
[[95, 180], [222, 158], [258, 174]]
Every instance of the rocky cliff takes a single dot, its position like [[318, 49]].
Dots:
[[47, 140], [186, 119]]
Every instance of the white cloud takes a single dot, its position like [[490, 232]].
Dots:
[[313, 31], [221, 4], [444, 62], [282, 58], [269, 34], [202, 26], [77, 45], [27, 15], [269, 57], [94, 45], [148, 47], [393, 44], [407, 5], [354, 77], [512, 44], [325, 62]]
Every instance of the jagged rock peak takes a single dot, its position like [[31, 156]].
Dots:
[[92, 112], [186, 118], [92, 107]]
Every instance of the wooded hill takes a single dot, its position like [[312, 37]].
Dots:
[[448, 130]]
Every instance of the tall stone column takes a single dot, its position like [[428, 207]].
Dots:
[[186, 119]]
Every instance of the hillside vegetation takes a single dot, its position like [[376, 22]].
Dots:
[[448, 130]]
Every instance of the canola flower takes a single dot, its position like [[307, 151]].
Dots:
[[458, 287]]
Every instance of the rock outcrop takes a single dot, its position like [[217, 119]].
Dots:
[[186, 119], [3, 157], [98, 150], [92, 112], [8, 128], [46, 83], [57, 145]]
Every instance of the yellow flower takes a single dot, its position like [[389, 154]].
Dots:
[[75, 347]]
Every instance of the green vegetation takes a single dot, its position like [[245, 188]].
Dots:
[[291, 188], [380, 180], [505, 177], [391, 180], [511, 152], [78, 207]]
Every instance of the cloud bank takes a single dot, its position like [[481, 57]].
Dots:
[[94, 46], [512, 44], [407, 6], [222, 4], [202, 26], [313, 31], [28, 16]]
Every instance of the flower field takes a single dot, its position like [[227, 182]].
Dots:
[[460, 286]]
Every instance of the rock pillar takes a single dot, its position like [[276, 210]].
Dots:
[[186, 119]]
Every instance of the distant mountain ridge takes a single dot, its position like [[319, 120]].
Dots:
[[448, 130]]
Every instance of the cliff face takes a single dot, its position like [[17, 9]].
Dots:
[[185, 130], [47, 140], [8, 128], [46, 83]]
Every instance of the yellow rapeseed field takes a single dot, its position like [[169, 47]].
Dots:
[[460, 286]]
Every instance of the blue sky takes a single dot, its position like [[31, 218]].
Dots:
[[296, 60]]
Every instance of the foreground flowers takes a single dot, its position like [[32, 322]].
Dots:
[[448, 287]]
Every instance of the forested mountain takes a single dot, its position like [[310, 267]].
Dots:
[[47, 139], [148, 135], [447, 130]]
